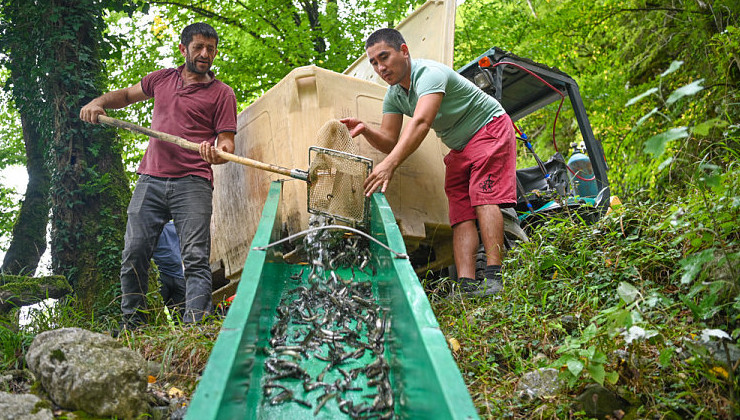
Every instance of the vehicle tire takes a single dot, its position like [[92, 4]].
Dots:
[[513, 231]]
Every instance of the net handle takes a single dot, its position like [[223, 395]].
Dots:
[[293, 173]]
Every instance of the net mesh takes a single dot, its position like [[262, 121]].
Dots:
[[335, 136], [336, 175]]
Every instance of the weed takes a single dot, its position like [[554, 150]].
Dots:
[[180, 351], [620, 303], [13, 345]]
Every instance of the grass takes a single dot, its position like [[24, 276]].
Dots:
[[623, 302], [181, 353], [177, 355], [619, 299]]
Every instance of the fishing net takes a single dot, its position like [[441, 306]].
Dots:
[[336, 176]]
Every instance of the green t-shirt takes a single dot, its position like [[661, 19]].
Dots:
[[465, 109]]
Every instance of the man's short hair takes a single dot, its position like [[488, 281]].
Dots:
[[388, 35], [197, 28]]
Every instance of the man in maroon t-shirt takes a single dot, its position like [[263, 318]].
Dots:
[[175, 183]]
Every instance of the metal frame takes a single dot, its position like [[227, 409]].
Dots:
[[366, 202], [531, 95]]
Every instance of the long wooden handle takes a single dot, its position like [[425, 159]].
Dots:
[[293, 173]]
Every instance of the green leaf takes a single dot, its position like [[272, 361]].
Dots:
[[665, 163], [590, 352], [612, 377], [639, 97], [599, 357], [627, 292], [703, 128], [644, 118], [656, 144], [597, 372], [673, 67], [575, 367], [547, 262], [694, 263], [665, 356], [710, 175], [622, 319], [589, 333], [690, 89]]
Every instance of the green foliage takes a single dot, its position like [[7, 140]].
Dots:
[[634, 324], [181, 352], [261, 42], [13, 345], [11, 153], [11, 136], [617, 51], [581, 360], [8, 212]]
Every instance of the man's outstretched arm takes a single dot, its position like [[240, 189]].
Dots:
[[384, 138], [112, 100], [413, 134]]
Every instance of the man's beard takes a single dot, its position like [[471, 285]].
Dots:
[[193, 66]]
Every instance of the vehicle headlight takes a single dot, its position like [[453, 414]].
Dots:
[[483, 79]]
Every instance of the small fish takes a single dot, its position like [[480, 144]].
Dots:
[[322, 401], [282, 397], [290, 353], [268, 387], [303, 403]]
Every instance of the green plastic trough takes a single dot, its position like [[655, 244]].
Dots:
[[425, 379]]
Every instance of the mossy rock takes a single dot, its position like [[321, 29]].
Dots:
[[18, 291]]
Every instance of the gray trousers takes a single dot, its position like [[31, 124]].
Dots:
[[187, 201]]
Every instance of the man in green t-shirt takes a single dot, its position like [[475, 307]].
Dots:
[[480, 175]]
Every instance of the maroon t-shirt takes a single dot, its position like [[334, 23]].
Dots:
[[197, 112]]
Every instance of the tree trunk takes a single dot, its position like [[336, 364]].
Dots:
[[91, 189], [29, 232], [55, 49]]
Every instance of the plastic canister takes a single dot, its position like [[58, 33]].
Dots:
[[584, 183]]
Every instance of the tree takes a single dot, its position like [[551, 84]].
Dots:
[[29, 231], [12, 154], [615, 49], [262, 41], [89, 189]]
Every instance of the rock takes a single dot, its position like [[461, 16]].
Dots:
[[82, 370], [717, 351], [23, 406], [602, 403], [17, 291], [540, 383]]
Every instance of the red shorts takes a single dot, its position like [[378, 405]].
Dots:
[[484, 172]]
